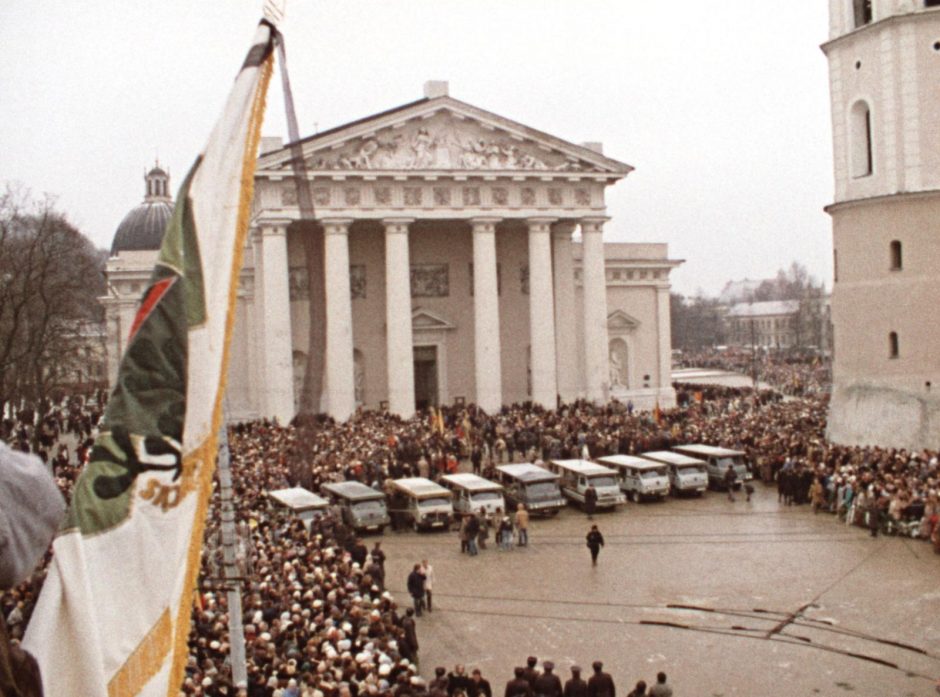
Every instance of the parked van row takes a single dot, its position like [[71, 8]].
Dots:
[[426, 505]]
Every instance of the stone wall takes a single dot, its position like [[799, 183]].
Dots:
[[870, 414]]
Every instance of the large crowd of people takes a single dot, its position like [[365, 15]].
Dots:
[[792, 372], [318, 620]]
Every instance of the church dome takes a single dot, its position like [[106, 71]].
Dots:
[[142, 228]]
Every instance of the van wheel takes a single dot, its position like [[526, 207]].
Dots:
[[381, 530], [635, 496]]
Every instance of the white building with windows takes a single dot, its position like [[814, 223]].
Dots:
[[884, 66], [454, 256]]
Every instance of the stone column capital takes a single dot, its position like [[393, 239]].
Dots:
[[397, 225], [481, 225], [540, 225], [336, 226], [271, 226], [593, 224]]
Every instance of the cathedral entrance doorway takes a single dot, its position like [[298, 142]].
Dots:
[[426, 387]]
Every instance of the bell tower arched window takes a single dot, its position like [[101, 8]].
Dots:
[[860, 142], [894, 349]]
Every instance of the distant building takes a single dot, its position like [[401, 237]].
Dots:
[[455, 256], [884, 67], [781, 324], [769, 324]]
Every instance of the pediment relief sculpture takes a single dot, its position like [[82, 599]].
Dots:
[[444, 142]]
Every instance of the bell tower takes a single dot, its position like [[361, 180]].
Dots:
[[884, 77]]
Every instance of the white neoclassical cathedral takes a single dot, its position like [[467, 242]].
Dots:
[[455, 256]]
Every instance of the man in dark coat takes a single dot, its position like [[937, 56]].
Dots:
[[576, 687], [359, 552], [601, 684], [473, 529], [547, 684], [438, 686], [458, 681], [518, 686], [416, 588], [531, 673], [378, 556], [479, 686], [595, 540], [730, 478], [409, 644], [590, 500]]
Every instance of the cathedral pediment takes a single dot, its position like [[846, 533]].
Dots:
[[620, 321], [443, 135], [426, 320]]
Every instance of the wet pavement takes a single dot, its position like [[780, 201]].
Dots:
[[754, 599]]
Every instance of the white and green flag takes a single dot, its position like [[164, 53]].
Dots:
[[114, 615]]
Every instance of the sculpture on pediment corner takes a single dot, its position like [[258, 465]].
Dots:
[[372, 153], [530, 161]]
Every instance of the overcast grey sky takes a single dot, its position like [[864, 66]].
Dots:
[[722, 106]]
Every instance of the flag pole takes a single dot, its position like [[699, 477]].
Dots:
[[233, 583]]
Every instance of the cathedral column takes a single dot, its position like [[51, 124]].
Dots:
[[399, 349], [664, 323], [277, 387], [486, 355], [594, 297], [542, 313], [340, 375], [566, 343], [257, 243]]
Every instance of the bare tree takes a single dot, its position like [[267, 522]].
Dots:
[[50, 278], [696, 322]]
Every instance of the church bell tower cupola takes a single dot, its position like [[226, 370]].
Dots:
[[157, 185]]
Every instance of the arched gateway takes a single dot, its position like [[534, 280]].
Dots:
[[442, 258]]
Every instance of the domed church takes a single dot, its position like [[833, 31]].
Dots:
[[142, 228], [455, 256]]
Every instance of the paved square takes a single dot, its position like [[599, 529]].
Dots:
[[746, 567]]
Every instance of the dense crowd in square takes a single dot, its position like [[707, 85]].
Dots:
[[318, 619]]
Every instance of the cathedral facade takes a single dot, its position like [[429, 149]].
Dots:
[[454, 256]]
